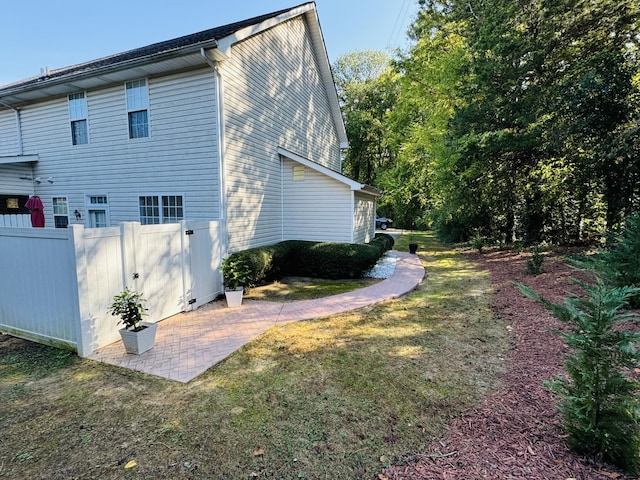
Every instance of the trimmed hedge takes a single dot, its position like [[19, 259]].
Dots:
[[386, 239], [314, 259]]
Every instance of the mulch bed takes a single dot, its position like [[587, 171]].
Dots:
[[515, 433]]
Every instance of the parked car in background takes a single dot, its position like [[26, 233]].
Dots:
[[382, 223]]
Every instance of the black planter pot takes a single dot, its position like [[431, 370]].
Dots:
[[413, 247]]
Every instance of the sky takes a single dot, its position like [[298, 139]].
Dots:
[[60, 33]]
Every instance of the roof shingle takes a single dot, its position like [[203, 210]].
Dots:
[[185, 42]]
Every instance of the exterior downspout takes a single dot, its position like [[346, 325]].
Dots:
[[224, 243], [18, 126]]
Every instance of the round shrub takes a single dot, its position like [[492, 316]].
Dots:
[[388, 239]]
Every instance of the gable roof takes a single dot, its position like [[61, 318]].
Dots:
[[352, 184], [171, 55], [206, 38]]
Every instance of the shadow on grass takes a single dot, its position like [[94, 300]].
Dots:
[[22, 360], [338, 397]]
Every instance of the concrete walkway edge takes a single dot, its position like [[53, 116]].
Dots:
[[189, 343]]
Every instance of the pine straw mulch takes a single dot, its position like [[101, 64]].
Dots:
[[515, 432]]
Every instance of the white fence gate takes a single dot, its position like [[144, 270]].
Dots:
[[57, 284]]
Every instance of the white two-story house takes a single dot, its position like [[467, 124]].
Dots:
[[239, 123], [233, 135]]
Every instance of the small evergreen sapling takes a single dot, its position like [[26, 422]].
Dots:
[[534, 264], [479, 242], [600, 408], [620, 262]]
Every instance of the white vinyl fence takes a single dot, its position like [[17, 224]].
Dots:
[[57, 284]]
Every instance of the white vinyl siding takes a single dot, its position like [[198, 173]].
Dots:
[[8, 132], [180, 157], [16, 178], [273, 97], [317, 208], [364, 215]]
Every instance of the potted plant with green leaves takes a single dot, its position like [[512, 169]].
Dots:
[[235, 275], [137, 336]]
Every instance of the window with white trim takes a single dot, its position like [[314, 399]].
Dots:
[[78, 119], [172, 208], [60, 212], [98, 211], [155, 209], [138, 108]]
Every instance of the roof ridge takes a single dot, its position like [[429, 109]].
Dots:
[[165, 46]]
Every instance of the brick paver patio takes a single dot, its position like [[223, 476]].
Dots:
[[189, 343]]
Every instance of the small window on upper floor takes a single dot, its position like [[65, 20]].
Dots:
[[138, 108], [78, 118]]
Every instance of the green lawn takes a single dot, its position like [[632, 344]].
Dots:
[[339, 397]]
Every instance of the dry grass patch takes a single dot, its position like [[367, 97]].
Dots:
[[339, 397]]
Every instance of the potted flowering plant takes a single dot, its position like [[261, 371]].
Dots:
[[137, 336], [235, 274]]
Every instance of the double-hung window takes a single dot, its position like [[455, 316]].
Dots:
[[161, 209], [78, 118], [138, 108], [60, 212]]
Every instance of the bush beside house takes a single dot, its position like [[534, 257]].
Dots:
[[313, 259]]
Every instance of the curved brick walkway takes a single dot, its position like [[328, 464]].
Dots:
[[189, 343]]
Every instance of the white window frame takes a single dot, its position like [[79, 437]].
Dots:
[[137, 99], [92, 204], [162, 215], [78, 112], [60, 211]]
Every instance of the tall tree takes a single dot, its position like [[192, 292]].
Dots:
[[543, 140], [430, 78], [366, 88], [593, 68]]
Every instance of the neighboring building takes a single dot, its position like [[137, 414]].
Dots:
[[239, 124]]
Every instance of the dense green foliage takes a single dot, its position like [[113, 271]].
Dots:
[[619, 263], [514, 120], [600, 406], [332, 260], [235, 271], [129, 306]]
